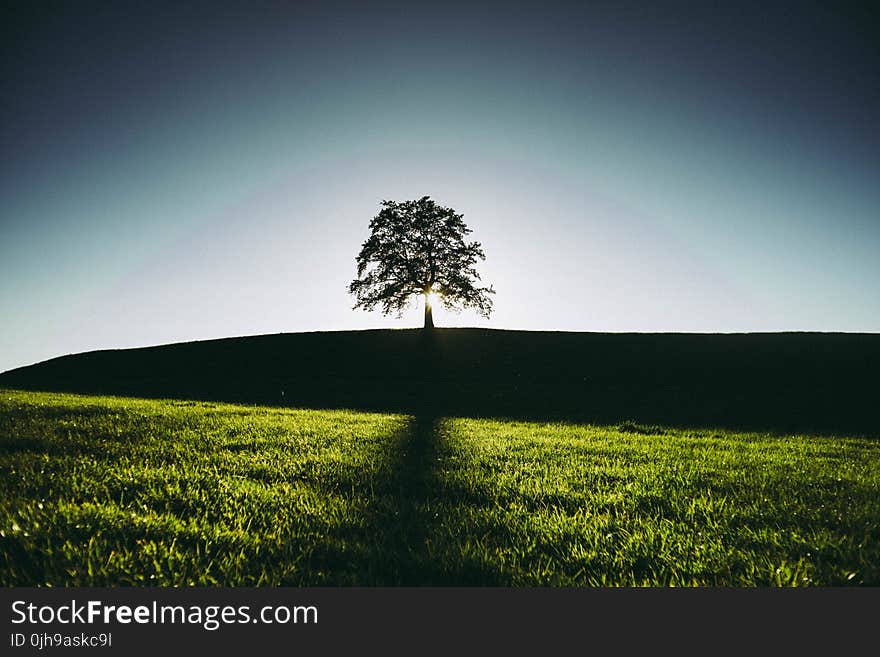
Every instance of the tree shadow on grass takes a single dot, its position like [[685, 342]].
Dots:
[[420, 520], [408, 519]]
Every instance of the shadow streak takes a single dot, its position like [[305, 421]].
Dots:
[[406, 522], [406, 534]]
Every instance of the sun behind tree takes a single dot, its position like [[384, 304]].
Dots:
[[419, 248]]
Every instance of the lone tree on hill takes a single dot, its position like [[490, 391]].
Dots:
[[418, 247]]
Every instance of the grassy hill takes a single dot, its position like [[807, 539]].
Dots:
[[683, 460], [786, 382]]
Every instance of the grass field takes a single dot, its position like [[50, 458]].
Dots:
[[114, 491]]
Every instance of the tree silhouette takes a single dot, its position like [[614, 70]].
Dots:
[[418, 247]]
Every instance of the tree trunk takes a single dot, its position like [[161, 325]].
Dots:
[[429, 318]]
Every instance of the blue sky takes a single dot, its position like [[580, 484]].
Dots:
[[182, 173]]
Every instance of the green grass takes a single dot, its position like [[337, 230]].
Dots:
[[111, 491]]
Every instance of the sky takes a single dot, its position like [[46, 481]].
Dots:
[[185, 171]]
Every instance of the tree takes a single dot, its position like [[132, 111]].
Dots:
[[419, 248]]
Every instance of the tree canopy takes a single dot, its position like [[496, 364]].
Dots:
[[419, 248]]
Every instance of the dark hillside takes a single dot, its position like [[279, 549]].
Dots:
[[808, 382]]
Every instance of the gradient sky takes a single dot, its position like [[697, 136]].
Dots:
[[174, 173]]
